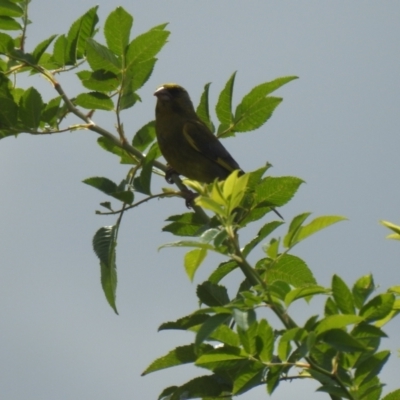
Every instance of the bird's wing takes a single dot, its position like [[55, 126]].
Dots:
[[203, 141]]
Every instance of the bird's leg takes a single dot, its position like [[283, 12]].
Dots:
[[169, 172], [189, 196]]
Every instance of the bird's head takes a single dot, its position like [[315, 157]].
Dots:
[[173, 96]]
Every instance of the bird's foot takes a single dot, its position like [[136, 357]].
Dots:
[[189, 197], [169, 172]]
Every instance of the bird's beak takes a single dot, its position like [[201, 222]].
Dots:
[[162, 94]]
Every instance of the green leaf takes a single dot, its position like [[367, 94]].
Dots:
[[244, 319], [291, 335], [248, 377], [203, 109], [342, 341], [179, 356], [277, 191], [220, 354], [139, 74], [378, 308], [335, 391], [6, 43], [294, 228], [104, 184], [253, 112], [185, 323], [212, 295], [100, 57], [223, 269], [144, 136], [209, 326], [51, 110], [302, 292], [331, 307], [31, 106], [117, 30], [371, 367], [292, 270], [41, 48], [10, 9], [60, 51], [187, 224], [104, 244], [193, 260], [110, 146], [265, 341], [223, 108], [336, 322], [362, 290], [147, 168], [266, 230], [94, 101], [205, 387], [100, 80], [9, 24], [393, 395], [225, 335], [80, 31], [316, 225], [146, 46], [273, 378], [342, 295]]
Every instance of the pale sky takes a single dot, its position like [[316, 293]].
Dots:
[[337, 129]]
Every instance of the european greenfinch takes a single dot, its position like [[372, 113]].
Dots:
[[185, 141]]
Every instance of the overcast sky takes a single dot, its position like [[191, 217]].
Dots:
[[337, 129]]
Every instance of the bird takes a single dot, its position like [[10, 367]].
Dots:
[[186, 142]]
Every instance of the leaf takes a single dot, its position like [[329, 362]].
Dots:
[[212, 295], [179, 356], [103, 184], [395, 395], [342, 295], [80, 31], [94, 101], [266, 230], [342, 341], [362, 289], [294, 228], [206, 387], [6, 43], [248, 377], [316, 225], [146, 46], [100, 80], [302, 292], [100, 57], [277, 191], [336, 322], [9, 24], [185, 323], [117, 30], [209, 326], [203, 110], [223, 269], [244, 318], [265, 341], [144, 136], [31, 106], [292, 270], [371, 367], [41, 48], [378, 307], [220, 354], [10, 9], [60, 51], [51, 111], [291, 335], [193, 260], [187, 224], [110, 146], [147, 168], [104, 244], [223, 108]]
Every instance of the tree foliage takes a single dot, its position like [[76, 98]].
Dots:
[[232, 339]]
